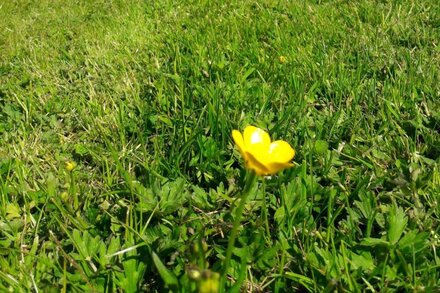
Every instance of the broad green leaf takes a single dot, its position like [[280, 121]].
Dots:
[[396, 224], [321, 146], [133, 272], [363, 260], [280, 215], [413, 241], [12, 211], [374, 242]]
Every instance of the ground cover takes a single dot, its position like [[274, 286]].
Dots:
[[118, 168]]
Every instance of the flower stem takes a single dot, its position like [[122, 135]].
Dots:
[[251, 178], [265, 210]]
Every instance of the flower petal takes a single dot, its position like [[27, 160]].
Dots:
[[238, 139], [280, 152], [257, 142], [253, 164], [275, 167], [255, 136]]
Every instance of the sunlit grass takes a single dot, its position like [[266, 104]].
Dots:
[[118, 169]]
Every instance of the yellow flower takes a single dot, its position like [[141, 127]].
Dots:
[[282, 59], [209, 283], [70, 165], [260, 154]]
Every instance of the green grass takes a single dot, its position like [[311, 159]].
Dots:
[[143, 96]]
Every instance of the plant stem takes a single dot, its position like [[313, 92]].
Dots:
[[251, 178], [265, 210]]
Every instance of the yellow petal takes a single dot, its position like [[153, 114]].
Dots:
[[277, 167], [255, 136], [253, 164], [238, 139], [280, 152], [257, 142]]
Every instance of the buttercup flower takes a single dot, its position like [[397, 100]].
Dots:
[[70, 165], [260, 154]]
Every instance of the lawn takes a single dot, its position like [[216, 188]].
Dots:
[[118, 171]]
